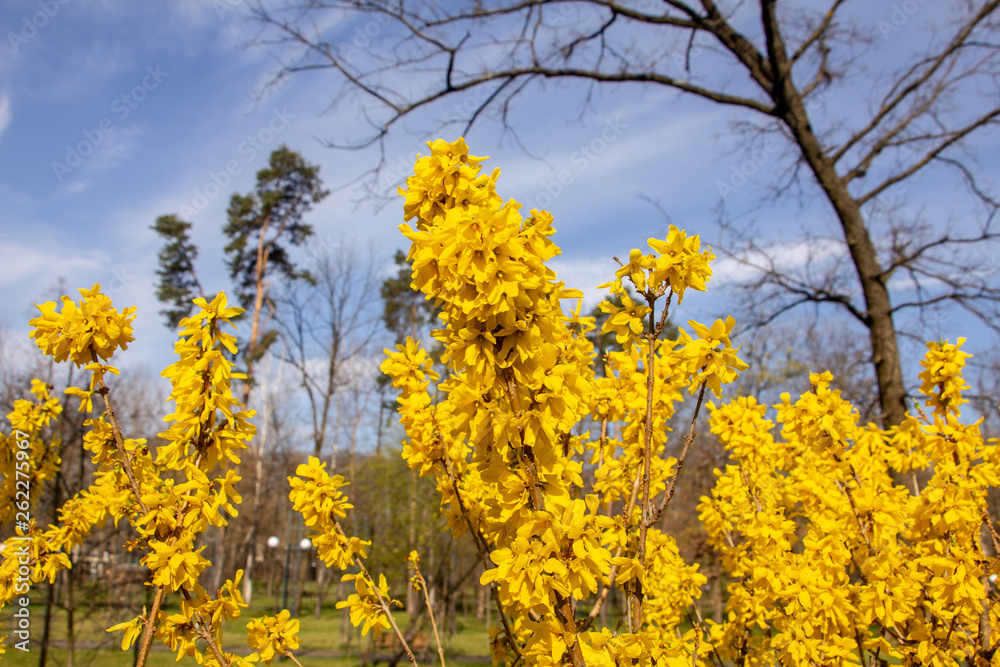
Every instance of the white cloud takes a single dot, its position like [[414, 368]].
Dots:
[[77, 187], [785, 258], [35, 263], [117, 146], [584, 274], [6, 115], [114, 148]]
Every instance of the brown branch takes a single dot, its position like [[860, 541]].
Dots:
[[528, 461], [900, 92], [204, 631], [817, 33], [120, 444], [486, 12], [750, 491], [430, 613], [449, 86], [381, 601], [688, 439], [647, 438], [150, 625], [147, 632], [743, 49], [613, 573], [952, 138]]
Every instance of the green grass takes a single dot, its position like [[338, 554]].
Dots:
[[324, 642]]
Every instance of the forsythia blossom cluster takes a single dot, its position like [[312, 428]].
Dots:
[[168, 498], [272, 636], [499, 436], [842, 542], [316, 495], [819, 543], [822, 545]]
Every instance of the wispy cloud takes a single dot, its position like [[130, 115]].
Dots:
[[115, 147], [19, 262], [585, 274], [6, 115], [786, 258]]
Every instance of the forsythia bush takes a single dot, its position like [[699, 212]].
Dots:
[[558, 473]]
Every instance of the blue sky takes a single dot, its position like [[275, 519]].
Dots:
[[163, 96]]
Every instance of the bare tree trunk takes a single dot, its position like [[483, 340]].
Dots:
[[346, 630], [481, 604], [70, 604], [717, 605], [878, 314], [254, 524], [43, 650]]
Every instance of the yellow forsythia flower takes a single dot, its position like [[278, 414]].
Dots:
[[131, 630], [272, 636], [83, 332], [366, 610]]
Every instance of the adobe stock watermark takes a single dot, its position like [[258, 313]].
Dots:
[[580, 160], [901, 14], [761, 152], [248, 149], [21, 627], [122, 107], [322, 246], [120, 279], [930, 327], [363, 36], [30, 25], [893, 197]]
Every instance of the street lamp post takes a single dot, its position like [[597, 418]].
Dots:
[[272, 543], [304, 545]]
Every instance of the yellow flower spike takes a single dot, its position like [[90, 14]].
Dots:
[[176, 566], [941, 380], [86, 398], [206, 414], [316, 495], [28, 456], [627, 322], [709, 358]]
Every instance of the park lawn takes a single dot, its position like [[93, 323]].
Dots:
[[323, 636]]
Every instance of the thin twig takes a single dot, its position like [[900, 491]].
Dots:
[[688, 439], [430, 612], [381, 601], [205, 633], [147, 633]]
